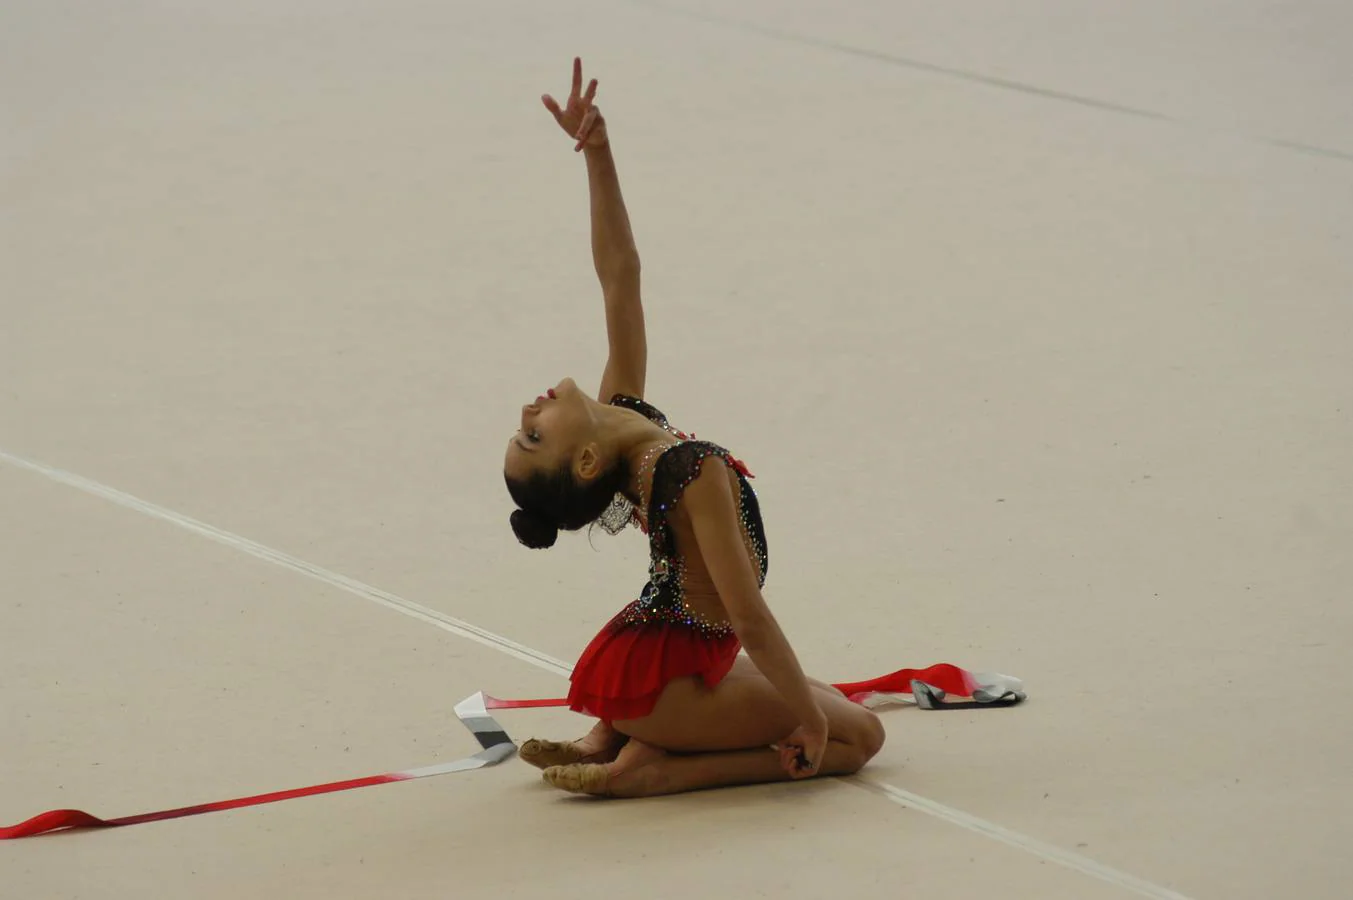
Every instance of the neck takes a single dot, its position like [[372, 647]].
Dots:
[[638, 440]]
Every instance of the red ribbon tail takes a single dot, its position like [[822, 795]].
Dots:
[[945, 676], [495, 741], [53, 820]]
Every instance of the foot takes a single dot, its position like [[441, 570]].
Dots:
[[543, 754], [601, 745], [579, 778], [626, 775]]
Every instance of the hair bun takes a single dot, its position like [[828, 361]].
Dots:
[[534, 531]]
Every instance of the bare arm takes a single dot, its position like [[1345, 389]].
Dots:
[[709, 503], [613, 252], [617, 263]]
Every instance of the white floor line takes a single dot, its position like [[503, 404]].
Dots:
[[1049, 852], [972, 823], [352, 586]]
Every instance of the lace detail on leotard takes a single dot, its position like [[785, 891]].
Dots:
[[674, 470]]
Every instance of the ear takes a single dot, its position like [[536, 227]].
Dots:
[[587, 464]]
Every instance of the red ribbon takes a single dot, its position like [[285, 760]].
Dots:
[[944, 676], [60, 819]]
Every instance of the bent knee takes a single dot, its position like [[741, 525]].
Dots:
[[866, 742], [872, 736]]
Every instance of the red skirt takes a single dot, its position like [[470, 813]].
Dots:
[[623, 671]]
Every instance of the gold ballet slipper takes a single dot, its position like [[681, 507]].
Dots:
[[578, 778], [543, 754]]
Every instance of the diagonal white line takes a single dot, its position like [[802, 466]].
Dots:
[[287, 561], [1049, 852]]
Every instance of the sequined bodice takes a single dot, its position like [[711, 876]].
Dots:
[[679, 587]]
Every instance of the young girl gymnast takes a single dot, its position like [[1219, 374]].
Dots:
[[678, 707]]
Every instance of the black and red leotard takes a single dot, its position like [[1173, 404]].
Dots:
[[659, 637]]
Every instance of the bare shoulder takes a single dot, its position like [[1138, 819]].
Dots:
[[708, 499]]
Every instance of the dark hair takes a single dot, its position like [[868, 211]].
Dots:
[[552, 501]]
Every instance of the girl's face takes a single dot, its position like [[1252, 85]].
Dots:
[[552, 430]]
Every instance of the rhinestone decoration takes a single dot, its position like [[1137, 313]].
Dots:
[[675, 466]]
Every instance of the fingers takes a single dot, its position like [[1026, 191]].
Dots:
[[553, 107], [579, 103], [585, 129], [794, 760]]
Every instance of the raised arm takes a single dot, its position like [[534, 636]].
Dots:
[[614, 255]]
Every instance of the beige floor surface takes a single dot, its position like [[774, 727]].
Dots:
[[1033, 322]]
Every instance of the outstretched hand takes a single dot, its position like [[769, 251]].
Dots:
[[579, 118]]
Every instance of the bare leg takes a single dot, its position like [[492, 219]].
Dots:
[[661, 773], [726, 734], [701, 771], [743, 665]]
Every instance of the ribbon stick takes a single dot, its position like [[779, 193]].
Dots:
[[471, 711], [930, 688]]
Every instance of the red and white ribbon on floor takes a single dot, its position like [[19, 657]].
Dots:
[[934, 688], [471, 711], [930, 688]]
